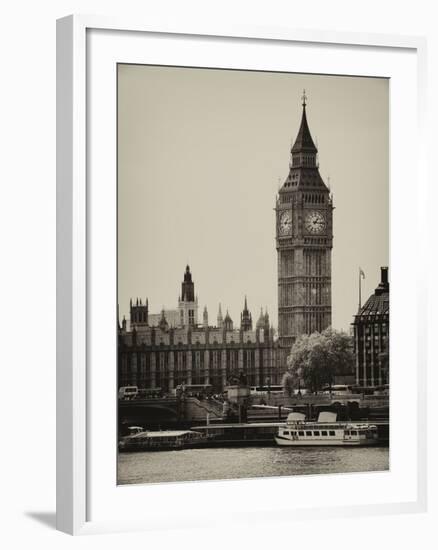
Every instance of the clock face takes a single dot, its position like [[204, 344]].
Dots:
[[315, 222], [285, 224]]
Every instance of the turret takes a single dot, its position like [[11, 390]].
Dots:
[[205, 318], [220, 319], [245, 318], [187, 287], [163, 324], [228, 322], [188, 303], [266, 320], [139, 313], [262, 325], [261, 320]]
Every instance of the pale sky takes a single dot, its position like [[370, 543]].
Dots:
[[201, 156]]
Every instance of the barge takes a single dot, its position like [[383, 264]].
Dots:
[[165, 440]]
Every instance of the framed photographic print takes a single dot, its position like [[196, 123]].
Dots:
[[234, 210]]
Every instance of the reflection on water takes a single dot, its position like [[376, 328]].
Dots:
[[232, 463]]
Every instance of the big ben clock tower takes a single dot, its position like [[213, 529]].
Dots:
[[304, 240]]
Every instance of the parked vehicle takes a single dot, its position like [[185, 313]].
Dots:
[[128, 392]]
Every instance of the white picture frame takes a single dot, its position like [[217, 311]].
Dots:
[[85, 501]]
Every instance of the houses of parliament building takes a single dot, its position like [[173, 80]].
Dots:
[[174, 347]]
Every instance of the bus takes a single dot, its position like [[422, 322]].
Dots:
[[337, 389]]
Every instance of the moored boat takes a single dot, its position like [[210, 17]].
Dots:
[[326, 431], [166, 440]]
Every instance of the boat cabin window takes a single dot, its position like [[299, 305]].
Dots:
[[300, 433], [316, 433], [353, 432], [308, 433], [323, 433], [285, 432], [331, 432]]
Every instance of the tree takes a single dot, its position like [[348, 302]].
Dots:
[[288, 382], [317, 358]]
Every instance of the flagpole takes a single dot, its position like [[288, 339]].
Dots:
[[360, 289]]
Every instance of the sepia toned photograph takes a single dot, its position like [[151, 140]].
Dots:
[[253, 274]]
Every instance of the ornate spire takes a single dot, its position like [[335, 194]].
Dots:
[[163, 324], [245, 318], [228, 322], [303, 165], [220, 319], [266, 319], [304, 141], [261, 320]]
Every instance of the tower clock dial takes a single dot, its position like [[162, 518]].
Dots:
[[285, 224], [315, 222]]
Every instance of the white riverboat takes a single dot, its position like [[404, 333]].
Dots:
[[325, 432]]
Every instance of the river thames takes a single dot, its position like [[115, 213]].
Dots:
[[248, 462]]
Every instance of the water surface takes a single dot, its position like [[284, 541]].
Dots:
[[248, 462]]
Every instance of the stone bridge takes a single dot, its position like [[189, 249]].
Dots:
[[167, 411], [172, 411]]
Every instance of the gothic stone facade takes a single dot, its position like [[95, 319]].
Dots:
[[156, 359], [164, 356]]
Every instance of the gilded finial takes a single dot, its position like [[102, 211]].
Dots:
[[304, 98]]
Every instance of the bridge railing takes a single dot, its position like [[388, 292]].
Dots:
[[321, 399]]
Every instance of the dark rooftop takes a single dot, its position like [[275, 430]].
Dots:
[[377, 303]]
